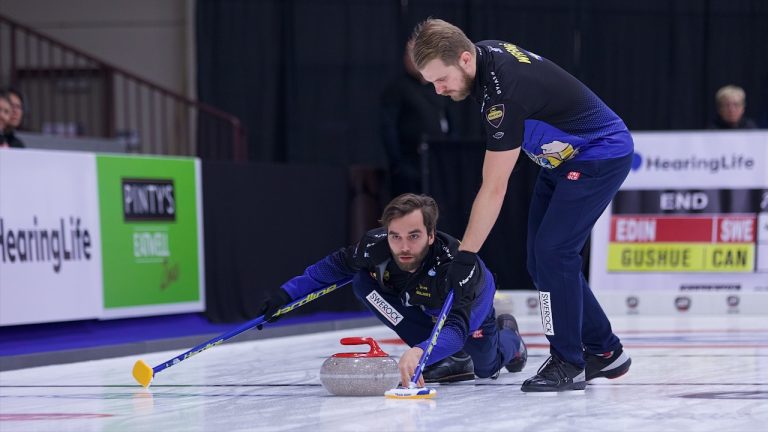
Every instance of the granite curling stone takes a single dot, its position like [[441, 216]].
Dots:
[[360, 374]]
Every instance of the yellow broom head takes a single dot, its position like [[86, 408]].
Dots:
[[143, 373]]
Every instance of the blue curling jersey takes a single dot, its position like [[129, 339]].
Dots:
[[526, 100]]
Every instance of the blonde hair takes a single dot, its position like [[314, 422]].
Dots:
[[730, 92], [438, 39]]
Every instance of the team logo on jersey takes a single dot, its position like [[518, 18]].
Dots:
[[553, 154], [495, 115]]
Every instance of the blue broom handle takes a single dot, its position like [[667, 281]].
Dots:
[[433, 338], [248, 325]]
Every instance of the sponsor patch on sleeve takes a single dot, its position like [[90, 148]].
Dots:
[[495, 115]]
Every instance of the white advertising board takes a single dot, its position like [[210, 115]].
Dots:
[[50, 245]]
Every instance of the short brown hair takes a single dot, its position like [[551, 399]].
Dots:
[[407, 203], [438, 39]]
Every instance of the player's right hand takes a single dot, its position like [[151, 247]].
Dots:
[[461, 277], [407, 365], [272, 304]]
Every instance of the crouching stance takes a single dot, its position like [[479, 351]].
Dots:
[[399, 272]]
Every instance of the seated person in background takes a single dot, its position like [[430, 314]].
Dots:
[[16, 115], [731, 101], [5, 117]]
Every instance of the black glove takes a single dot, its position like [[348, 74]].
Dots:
[[274, 303], [373, 249], [461, 277]]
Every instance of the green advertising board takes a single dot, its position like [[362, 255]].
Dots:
[[149, 232]]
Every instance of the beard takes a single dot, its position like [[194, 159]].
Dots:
[[411, 266], [466, 89]]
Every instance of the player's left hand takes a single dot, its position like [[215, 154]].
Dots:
[[276, 301], [461, 272], [408, 363]]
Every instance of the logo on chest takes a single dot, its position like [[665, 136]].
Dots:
[[422, 291]]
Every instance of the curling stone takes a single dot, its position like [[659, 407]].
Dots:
[[360, 374]]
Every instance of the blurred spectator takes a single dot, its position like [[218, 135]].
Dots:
[[16, 116], [5, 118], [731, 101], [411, 112]]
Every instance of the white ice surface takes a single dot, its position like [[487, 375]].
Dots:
[[688, 374]]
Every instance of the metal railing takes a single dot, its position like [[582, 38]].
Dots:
[[68, 92]]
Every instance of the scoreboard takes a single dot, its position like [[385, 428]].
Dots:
[[708, 230], [688, 230]]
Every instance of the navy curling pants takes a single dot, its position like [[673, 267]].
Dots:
[[490, 352], [566, 203]]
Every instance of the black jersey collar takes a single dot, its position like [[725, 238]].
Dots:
[[481, 59]]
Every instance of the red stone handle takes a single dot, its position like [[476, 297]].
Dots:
[[375, 350]]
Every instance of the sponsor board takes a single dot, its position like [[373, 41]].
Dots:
[[77, 242], [50, 245], [150, 231], [648, 303]]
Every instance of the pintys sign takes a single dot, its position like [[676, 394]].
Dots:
[[149, 218]]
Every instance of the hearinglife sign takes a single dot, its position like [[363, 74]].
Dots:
[[50, 244]]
